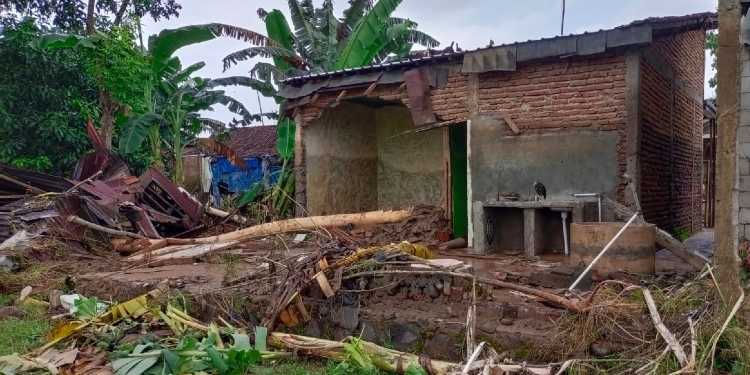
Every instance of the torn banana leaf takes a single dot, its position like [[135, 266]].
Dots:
[[133, 308]]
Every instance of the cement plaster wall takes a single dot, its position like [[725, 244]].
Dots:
[[341, 161], [565, 162], [410, 166]]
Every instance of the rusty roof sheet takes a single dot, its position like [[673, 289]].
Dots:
[[659, 26], [38, 180]]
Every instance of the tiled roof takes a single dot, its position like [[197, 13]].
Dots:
[[253, 140]]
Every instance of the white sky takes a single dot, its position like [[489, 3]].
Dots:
[[469, 23]]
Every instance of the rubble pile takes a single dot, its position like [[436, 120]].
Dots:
[[427, 225], [361, 279]]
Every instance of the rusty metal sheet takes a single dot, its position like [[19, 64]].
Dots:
[[420, 102], [163, 195], [38, 180]]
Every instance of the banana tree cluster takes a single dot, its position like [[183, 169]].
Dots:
[[321, 41]]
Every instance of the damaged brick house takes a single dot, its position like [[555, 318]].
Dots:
[[472, 131]]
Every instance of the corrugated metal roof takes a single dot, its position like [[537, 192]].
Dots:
[[660, 25]]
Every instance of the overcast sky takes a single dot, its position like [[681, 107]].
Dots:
[[468, 23]]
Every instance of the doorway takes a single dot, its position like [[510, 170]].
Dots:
[[459, 198]]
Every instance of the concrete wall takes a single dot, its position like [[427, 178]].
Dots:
[[341, 161], [357, 160], [411, 169], [566, 163]]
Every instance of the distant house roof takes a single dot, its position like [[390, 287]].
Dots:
[[250, 141], [253, 140], [505, 56]]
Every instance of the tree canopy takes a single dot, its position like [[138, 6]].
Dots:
[[44, 105], [71, 15]]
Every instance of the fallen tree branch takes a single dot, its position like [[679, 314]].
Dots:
[[276, 227], [665, 333], [567, 303], [84, 223]]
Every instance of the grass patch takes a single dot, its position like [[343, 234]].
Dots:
[[6, 299], [301, 367], [22, 335], [33, 275]]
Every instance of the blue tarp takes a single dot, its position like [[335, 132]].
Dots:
[[226, 178]]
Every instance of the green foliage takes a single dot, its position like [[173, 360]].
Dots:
[[189, 356], [285, 130], [278, 30], [86, 308], [119, 66], [321, 41], [70, 15], [21, 335], [681, 233], [44, 105], [136, 130], [368, 39], [712, 45]]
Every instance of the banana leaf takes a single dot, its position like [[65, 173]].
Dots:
[[368, 37], [162, 46], [136, 130], [285, 129], [278, 29]]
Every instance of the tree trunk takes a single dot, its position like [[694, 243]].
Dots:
[[107, 122], [283, 226], [726, 257], [121, 12], [91, 17]]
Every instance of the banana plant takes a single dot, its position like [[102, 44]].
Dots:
[[167, 86], [367, 33]]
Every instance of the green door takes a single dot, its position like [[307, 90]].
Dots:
[[459, 197]]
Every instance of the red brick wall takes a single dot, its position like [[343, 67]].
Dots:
[[671, 107]]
